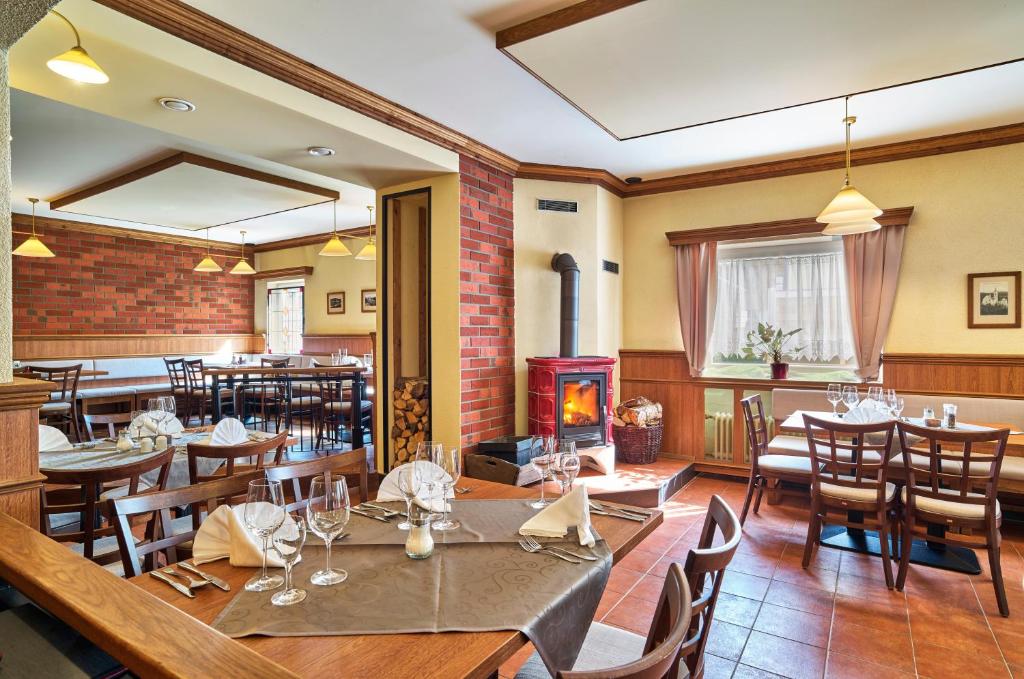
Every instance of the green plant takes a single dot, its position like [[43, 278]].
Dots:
[[768, 343]]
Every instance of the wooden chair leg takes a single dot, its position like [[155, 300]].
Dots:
[[754, 480], [883, 546], [74, 423], [813, 533], [760, 493], [907, 537], [994, 540]]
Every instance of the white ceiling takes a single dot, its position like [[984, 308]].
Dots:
[[439, 59]]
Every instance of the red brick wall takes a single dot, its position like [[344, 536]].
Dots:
[[487, 303], [111, 285]]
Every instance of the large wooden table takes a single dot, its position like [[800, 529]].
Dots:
[[445, 656]]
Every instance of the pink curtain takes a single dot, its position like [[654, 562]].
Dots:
[[872, 271], [696, 279]]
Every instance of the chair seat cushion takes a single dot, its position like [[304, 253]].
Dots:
[[951, 508], [605, 647], [856, 494], [55, 407], [305, 401], [788, 445], [789, 464], [346, 406], [152, 388]]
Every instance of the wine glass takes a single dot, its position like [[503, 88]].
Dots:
[[875, 394], [897, 406], [170, 406], [568, 464], [155, 410], [451, 462], [426, 451], [410, 480], [288, 541], [263, 514], [543, 463], [850, 398], [368, 361], [834, 394], [327, 513]]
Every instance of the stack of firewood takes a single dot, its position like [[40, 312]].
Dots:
[[639, 412], [412, 403]]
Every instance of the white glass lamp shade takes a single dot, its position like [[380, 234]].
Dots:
[[849, 228], [335, 248], [242, 268], [33, 247], [849, 205], [207, 265], [369, 251], [77, 65]]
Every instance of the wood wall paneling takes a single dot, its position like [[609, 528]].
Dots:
[[20, 479], [357, 345], [960, 374], [53, 347]]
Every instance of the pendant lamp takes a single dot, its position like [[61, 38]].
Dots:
[[369, 251], [206, 264], [76, 64], [334, 247], [32, 246], [850, 208], [242, 268]]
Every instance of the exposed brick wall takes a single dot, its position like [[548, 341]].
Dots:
[[110, 285], [487, 303]]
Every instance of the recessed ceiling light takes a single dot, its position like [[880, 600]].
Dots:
[[320, 151], [177, 105]]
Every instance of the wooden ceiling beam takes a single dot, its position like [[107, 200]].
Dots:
[[553, 21]]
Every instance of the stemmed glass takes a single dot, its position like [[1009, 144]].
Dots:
[[263, 514], [875, 394], [568, 465], [543, 464], [834, 394], [427, 451], [328, 513], [451, 462], [170, 406], [897, 406], [850, 397], [288, 542], [410, 480], [156, 411]]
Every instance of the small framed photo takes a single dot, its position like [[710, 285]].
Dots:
[[335, 302], [993, 300], [369, 301]]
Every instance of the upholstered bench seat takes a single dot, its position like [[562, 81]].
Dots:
[[158, 388], [605, 647], [105, 392]]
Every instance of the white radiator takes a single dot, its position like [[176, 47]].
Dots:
[[718, 439]]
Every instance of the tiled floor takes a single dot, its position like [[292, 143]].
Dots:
[[835, 620]]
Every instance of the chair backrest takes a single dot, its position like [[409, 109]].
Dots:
[[203, 498], [230, 454], [757, 427], [666, 639], [300, 473], [83, 500], [195, 380], [704, 569], [109, 419], [177, 373], [843, 454], [65, 377], [954, 464]]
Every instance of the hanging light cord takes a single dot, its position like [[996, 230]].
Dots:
[[78, 40], [849, 120]]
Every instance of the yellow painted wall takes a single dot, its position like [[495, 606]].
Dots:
[[330, 274], [589, 235], [966, 220]]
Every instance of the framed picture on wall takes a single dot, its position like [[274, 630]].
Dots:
[[993, 300], [369, 301], [335, 302]]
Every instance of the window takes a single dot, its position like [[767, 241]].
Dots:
[[285, 320], [791, 283]]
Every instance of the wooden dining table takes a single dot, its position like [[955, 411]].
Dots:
[[445, 655]]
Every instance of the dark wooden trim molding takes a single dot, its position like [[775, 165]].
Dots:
[[190, 159], [899, 216], [576, 175], [284, 273], [74, 347], [183, 21], [46, 225], [321, 238], [553, 21]]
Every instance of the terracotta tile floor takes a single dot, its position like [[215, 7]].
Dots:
[[836, 620]]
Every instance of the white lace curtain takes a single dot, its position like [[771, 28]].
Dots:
[[800, 290]]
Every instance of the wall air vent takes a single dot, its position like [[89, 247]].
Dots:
[[610, 267], [556, 205]]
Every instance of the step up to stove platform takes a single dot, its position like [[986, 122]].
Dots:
[[642, 485]]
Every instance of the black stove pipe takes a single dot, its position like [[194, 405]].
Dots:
[[569, 332]]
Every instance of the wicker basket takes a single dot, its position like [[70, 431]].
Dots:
[[637, 445]]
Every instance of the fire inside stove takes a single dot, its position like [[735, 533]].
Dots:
[[580, 404]]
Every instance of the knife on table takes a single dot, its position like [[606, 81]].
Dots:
[[212, 579], [368, 515], [176, 585]]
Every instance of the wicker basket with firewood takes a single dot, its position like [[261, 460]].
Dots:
[[637, 430]]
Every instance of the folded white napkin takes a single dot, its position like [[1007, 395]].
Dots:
[[866, 413], [554, 521], [223, 534], [144, 425], [229, 432], [388, 491], [51, 438]]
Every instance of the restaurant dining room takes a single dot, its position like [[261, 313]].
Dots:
[[511, 339]]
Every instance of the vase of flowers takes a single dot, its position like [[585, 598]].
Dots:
[[768, 343]]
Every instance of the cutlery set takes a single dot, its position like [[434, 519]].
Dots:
[[168, 574]]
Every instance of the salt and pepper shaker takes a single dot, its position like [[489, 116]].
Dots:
[[420, 543], [949, 415], [928, 413], [124, 442], [146, 445]]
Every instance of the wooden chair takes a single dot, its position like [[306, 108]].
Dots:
[[231, 454], [86, 500], [704, 569], [163, 534], [265, 398], [178, 376], [111, 420], [766, 468], [62, 407], [955, 490], [659, 655], [300, 473], [848, 482], [336, 413], [199, 398]]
